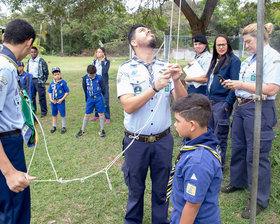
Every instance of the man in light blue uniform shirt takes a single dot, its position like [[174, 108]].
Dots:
[[244, 115], [14, 182], [140, 87]]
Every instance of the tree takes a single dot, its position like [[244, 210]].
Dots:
[[198, 25]]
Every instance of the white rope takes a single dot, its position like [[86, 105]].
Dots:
[[178, 33], [104, 170], [170, 32]]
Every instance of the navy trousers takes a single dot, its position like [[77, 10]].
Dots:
[[106, 103], [201, 89], [242, 140], [220, 122], [42, 96], [138, 158], [14, 207]]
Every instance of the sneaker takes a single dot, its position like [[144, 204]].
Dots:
[[53, 129], [229, 189], [95, 119], [247, 211], [80, 133], [108, 121], [102, 133], [63, 130]]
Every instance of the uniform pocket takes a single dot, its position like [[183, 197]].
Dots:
[[223, 126], [125, 171]]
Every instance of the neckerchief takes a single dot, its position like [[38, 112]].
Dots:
[[182, 150], [55, 88], [149, 67]]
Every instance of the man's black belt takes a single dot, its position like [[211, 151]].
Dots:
[[148, 138], [10, 133]]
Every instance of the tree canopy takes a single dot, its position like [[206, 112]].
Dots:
[[77, 26]]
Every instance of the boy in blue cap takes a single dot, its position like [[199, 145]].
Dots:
[[196, 178], [25, 79], [94, 88], [58, 91]]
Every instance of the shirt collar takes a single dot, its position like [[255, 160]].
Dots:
[[6, 51]]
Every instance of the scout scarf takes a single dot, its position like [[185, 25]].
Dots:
[[182, 150]]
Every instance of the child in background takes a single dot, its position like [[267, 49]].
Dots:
[[197, 178], [94, 88], [25, 79], [58, 91]]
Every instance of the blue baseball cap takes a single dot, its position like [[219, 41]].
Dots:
[[20, 63], [55, 69]]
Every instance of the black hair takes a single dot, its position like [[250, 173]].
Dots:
[[224, 60], [91, 69], [195, 107], [18, 31], [35, 48], [132, 32]]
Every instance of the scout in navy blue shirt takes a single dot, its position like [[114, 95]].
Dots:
[[94, 90], [58, 91], [25, 79], [196, 179]]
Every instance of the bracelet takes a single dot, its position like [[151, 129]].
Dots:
[[154, 88]]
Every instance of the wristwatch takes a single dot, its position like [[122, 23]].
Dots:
[[154, 88]]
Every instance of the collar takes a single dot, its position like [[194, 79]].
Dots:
[[201, 53], [6, 51], [135, 58]]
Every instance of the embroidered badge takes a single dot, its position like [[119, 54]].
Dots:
[[3, 80], [253, 77], [193, 177], [166, 88], [134, 72], [191, 189], [137, 90], [60, 91]]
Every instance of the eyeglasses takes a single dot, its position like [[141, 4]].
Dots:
[[221, 45]]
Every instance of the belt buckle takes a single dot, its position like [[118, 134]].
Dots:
[[94, 96], [150, 139]]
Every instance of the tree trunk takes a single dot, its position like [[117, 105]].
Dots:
[[198, 25]]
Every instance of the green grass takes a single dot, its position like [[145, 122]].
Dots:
[[92, 201]]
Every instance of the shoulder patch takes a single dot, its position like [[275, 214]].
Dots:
[[191, 189], [193, 177], [3, 80]]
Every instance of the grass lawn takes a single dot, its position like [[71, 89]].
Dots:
[[92, 201]]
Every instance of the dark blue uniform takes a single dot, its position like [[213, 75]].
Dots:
[[198, 179], [222, 101], [58, 90], [93, 89], [243, 128], [26, 82]]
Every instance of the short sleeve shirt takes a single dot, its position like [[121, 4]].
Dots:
[[61, 89], [133, 78], [11, 117], [271, 71]]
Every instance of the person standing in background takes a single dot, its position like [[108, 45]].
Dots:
[[242, 132], [39, 69], [224, 65], [203, 57], [102, 65]]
